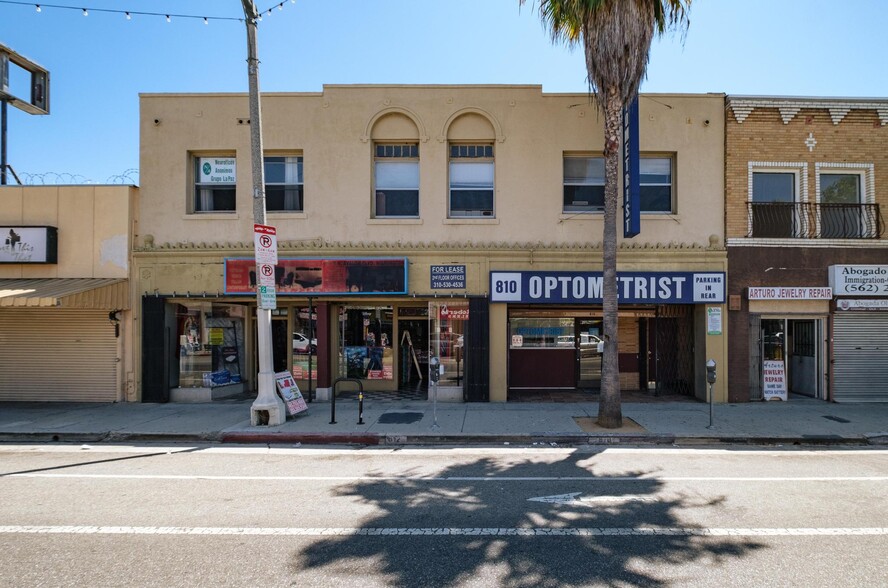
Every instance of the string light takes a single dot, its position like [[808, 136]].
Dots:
[[130, 13]]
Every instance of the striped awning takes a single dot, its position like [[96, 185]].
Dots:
[[87, 293]]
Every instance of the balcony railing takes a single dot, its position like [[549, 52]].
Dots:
[[811, 220]]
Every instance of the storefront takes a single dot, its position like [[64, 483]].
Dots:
[[555, 334], [334, 318], [62, 339], [860, 333], [787, 335]]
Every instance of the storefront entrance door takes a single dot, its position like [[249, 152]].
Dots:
[[588, 331]]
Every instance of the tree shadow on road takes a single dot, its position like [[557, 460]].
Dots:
[[471, 524]]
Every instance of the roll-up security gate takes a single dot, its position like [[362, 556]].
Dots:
[[860, 357], [57, 355]]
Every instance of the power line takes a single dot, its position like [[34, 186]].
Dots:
[[130, 13]]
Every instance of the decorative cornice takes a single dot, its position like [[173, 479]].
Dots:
[[742, 106], [246, 248]]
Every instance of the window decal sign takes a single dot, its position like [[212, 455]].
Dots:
[[217, 170], [317, 277], [562, 287]]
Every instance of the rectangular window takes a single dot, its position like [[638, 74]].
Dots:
[[471, 181], [583, 184], [396, 180], [656, 184], [841, 213], [283, 184], [773, 205], [215, 179]]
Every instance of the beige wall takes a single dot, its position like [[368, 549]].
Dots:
[[334, 130], [93, 228]]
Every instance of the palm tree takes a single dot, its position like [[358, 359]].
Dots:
[[616, 37]]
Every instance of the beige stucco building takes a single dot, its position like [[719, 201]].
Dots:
[[418, 221], [65, 325]]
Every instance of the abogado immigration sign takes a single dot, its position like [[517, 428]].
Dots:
[[564, 287], [859, 280]]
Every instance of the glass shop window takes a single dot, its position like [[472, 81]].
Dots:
[[211, 344]]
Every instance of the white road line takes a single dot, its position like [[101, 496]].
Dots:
[[458, 532], [602, 478]]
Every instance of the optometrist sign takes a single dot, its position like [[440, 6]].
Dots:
[[562, 287]]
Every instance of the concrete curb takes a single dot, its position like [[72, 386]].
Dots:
[[432, 439]]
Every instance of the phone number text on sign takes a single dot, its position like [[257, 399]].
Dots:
[[448, 277]]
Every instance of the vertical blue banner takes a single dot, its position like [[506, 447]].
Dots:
[[631, 175]]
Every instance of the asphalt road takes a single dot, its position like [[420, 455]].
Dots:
[[257, 516]]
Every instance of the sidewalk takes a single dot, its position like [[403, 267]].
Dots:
[[799, 421]]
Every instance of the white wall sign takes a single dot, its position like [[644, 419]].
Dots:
[[713, 320], [217, 170], [859, 280], [774, 376], [789, 293], [846, 304], [28, 244]]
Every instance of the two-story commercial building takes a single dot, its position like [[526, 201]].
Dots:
[[807, 250], [459, 222]]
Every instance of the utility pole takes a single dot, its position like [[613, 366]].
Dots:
[[268, 408]]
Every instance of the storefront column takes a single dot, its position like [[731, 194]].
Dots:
[[712, 321], [499, 349]]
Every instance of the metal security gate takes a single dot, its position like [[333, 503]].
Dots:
[[755, 357], [57, 355], [860, 357], [674, 332]]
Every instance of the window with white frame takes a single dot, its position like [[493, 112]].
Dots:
[[283, 184], [471, 180], [776, 195], [215, 179], [843, 194], [583, 184], [396, 180], [656, 184]]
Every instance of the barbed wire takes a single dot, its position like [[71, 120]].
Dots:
[[127, 177]]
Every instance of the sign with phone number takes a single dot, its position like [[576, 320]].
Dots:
[[562, 287], [448, 277], [859, 280]]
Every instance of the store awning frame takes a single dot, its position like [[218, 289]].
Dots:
[[82, 293]]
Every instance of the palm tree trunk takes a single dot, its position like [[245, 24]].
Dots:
[[609, 411]]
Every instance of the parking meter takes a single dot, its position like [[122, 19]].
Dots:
[[434, 369], [710, 371], [710, 377]]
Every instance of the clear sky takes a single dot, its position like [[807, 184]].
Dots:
[[101, 62]]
